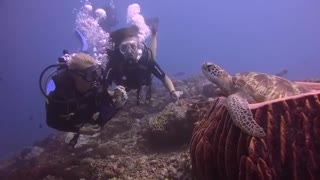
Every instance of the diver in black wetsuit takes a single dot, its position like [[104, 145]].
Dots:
[[80, 102], [131, 63]]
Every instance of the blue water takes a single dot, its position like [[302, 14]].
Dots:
[[265, 36]]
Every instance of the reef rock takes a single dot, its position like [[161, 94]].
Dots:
[[171, 126]]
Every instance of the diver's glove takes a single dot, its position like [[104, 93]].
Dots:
[[176, 94], [120, 96], [153, 24]]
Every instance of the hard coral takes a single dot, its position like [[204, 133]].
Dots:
[[171, 113], [291, 149], [172, 126]]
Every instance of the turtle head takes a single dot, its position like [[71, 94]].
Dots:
[[217, 75]]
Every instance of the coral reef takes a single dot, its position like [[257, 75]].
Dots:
[[151, 142], [123, 149]]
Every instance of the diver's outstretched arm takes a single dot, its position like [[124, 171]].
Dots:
[[168, 83]]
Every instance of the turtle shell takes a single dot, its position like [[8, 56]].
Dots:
[[262, 87]]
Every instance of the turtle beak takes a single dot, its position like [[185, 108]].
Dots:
[[206, 65], [205, 68]]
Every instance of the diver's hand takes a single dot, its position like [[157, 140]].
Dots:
[[176, 94], [120, 96], [120, 91]]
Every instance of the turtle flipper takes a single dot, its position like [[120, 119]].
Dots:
[[242, 116]]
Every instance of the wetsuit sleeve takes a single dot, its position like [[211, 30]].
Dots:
[[107, 111], [156, 70], [106, 107]]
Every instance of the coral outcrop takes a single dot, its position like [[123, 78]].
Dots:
[[121, 150]]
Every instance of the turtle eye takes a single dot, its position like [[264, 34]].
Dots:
[[210, 67]]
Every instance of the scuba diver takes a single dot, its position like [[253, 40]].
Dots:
[[77, 99], [111, 20], [132, 64]]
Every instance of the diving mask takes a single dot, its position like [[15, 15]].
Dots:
[[92, 74], [130, 49]]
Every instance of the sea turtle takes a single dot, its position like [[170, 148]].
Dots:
[[245, 88]]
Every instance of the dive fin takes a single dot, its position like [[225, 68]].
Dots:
[[83, 40], [153, 24]]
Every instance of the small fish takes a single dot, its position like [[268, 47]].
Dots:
[[282, 73], [179, 74], [40, 125]]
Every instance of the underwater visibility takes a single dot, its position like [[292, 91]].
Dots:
[[116, 110]]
